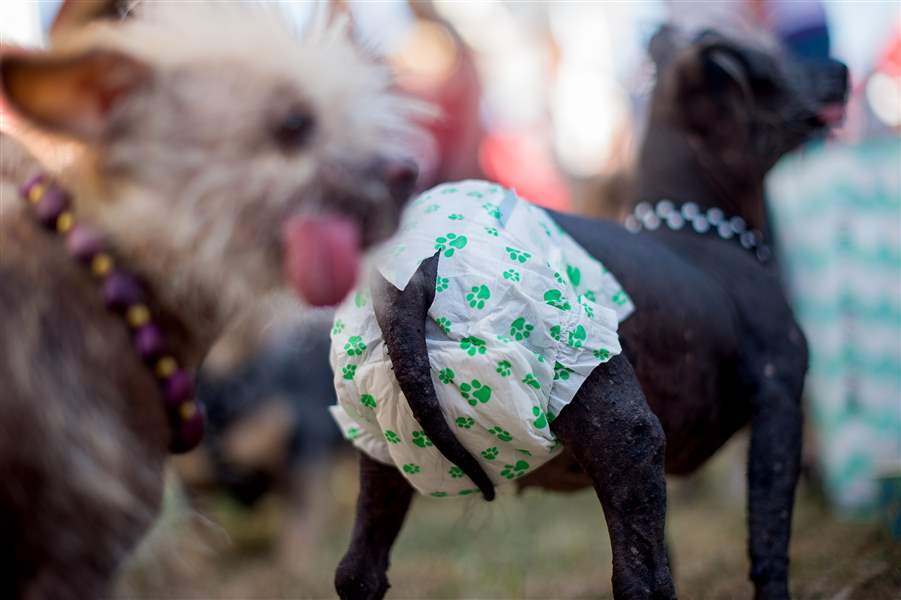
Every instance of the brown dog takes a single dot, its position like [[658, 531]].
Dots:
[[205, 138]]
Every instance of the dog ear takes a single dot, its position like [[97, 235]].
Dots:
[[74, 15], [71, 95]]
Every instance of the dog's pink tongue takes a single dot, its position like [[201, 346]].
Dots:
[[322, 257]]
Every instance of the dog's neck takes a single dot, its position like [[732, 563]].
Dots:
[[672, 166], [195, 309]]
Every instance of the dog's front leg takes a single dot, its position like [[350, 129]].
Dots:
[[773, 467], [619, 442], [381, 507]]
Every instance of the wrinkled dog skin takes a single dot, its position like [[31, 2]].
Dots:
[[194, 151], [713, 341]]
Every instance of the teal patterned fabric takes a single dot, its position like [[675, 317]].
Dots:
[[837, 209]]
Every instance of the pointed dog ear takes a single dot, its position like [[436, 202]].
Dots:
[[74, 15], [70, 95], [663, 46]]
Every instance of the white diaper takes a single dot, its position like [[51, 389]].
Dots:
[[522, 314]]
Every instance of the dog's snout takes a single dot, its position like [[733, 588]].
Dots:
[[400, 176], [830, 80]]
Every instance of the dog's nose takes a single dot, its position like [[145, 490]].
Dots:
[[400, 177], [833, 80]]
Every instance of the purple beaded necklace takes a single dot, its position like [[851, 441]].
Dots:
[[124, 295]]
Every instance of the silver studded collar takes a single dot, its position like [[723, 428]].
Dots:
[[690, 217]]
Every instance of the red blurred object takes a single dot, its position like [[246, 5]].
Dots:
[[520, 161], [890, 60]]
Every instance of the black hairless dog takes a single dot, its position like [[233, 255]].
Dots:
[[713, 342]]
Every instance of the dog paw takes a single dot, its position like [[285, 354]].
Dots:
[[367, 400], [516, 470], [411, 469], [490, 453], [520, 256], [501, 434], [450, 243], [540, 421], [441, 283], [576, 337], [421, 439], [504, 368], [338, 327], [354, 346], [512, 275], [492, 231], [392, 437], [473, 345], [520, 329], [455, 472], [475, 391], [444, 324], [348, 371], [477, 296], [446, 375], [602, 354], [561, 372], [555, 298], [465, 422], [531, 381]]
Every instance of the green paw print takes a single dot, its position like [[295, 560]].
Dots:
[[504, 368], [446, 375], [477, 296], [620, 298], [421, 439], [514, 471], [475, 391], [392, 437], [441, 283], [524, 451], [338, 327], [474, 194], [490, 453], [559, 278], [555, 332], [586, 306], [491, 231], [352, 433], [468, 492], [520, 329], [555, 299], [455, 472], [574, 274], [411, 469], [602, 354], [432, 208], [576, 337], [493, 209], [531, 381], [561, 372], [502, 337], [455, 217], [438, 494], [444, 324], [367, 400], [465, 422], [450, 243], [354, 346], [360, 299], [348, 371], [512, 275], [501, 434], [540, 421], [473, 345], [519, 256], [591, 296], [449, 190]]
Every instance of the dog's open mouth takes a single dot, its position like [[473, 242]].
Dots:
[[322, 256]]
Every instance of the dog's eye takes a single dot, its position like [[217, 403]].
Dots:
[[294, 130]]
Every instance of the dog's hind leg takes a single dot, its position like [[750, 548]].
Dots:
[[381, 507], [401, 316], [774, 463], [620, 444]]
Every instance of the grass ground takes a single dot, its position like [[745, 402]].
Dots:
[[537, 545]]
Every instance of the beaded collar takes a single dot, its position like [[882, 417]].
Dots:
[[691, 218], [123, 295]]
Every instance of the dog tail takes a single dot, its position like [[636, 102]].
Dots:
[[401, 316]]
